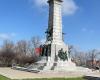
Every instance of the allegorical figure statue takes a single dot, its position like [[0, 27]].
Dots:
[[62, 55]]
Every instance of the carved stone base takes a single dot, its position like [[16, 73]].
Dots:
[[60, 66], [53, 62]]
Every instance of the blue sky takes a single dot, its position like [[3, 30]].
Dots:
[[22, 19]]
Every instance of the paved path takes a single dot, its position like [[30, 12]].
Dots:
[[16, 74]]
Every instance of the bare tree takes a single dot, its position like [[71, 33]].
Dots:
[[7, 57], [22, 47], [7, 45], [23, 55], [79, 57], [7, 54], [93, 56], [20, 53], [36, 42]]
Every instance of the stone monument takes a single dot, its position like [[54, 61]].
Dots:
[[55, 51], [55, 55]]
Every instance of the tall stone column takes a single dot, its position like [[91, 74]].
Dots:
[[55, 21], [54, 31]]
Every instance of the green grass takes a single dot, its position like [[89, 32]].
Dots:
[[5, 78]]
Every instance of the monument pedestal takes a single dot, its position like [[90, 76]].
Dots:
[[53, 61], [60, 66], [65, 66]]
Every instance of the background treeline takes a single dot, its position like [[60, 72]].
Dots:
[[90, 58], [23, 52]]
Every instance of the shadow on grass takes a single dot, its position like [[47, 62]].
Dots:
[[91, 78]]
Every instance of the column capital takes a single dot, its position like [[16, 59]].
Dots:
[[55, 0]]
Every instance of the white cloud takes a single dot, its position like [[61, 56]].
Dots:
[[4, 36], [87, 30], [40, 2], [69, 7], [13, 34]]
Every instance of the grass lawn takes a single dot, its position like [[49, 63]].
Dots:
[[5, 78]]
